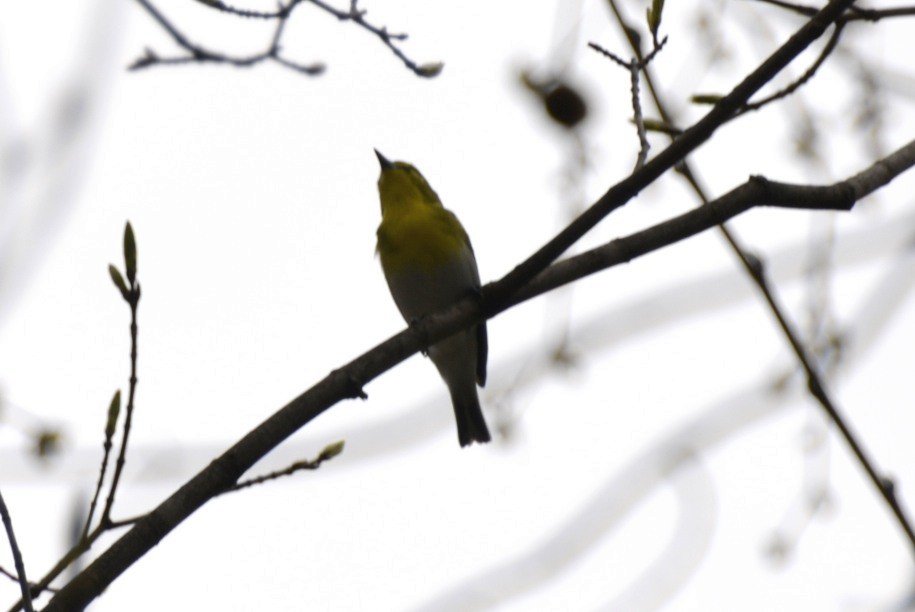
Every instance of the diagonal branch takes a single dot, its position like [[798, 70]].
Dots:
[[859, 184], [17, 557], [756, 192], [855, 13], [347, 382], [690, 140]]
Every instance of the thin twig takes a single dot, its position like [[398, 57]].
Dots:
[[127, 522], [756, 270], [634, 66], [106, 445], [232, 10], [200, 54], [17, 557], [674, 154], [804, 78], [130, 292], [756, 192], [329, 452], [62, 564], [644, 145], [133, 302]]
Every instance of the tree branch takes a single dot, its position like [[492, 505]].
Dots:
[[24, 586], [862, 183], [756, 192], [346, 382], [199, 54], [692, 138], [225, 471], [856, 13]]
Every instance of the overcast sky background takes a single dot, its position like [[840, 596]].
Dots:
[[651, 471]]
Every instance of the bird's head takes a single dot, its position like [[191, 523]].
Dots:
[[401, 183]]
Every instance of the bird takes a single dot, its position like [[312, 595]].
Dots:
[[429, 264]]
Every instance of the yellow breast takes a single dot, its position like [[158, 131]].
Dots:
[[421, 238]]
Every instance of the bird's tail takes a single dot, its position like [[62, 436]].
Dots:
[[471, 424]]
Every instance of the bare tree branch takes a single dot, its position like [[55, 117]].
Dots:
[[345, 382], [692, 138], [17, 557], [200, 54], [756, 192], [855, 13], [862, 183]]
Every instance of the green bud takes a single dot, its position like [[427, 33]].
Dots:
[[331, 450], [118, 280], [432, 69], [706, 98], [130, 253], [114, 409], [47, 443], [656, 125], [654, 16]]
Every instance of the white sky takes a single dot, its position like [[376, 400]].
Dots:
[[252, 194]]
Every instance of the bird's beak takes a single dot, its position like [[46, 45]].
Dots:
[[384, 161]]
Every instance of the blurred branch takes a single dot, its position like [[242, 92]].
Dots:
[[863, 183], [688, 141], [610, 503], [756, 192], [198, 54], [854, 14], [46, 151]]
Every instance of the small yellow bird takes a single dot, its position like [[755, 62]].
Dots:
[[429, 264]]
